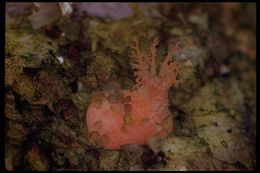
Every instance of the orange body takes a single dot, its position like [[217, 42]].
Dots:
[[132, 117]]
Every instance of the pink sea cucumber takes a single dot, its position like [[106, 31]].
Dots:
[[133, 116]]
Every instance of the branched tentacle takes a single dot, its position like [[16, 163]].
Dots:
[[145, 65], [169, 55], [141, 64], [153, 56]]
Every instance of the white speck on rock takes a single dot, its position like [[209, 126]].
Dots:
[[60, 58]]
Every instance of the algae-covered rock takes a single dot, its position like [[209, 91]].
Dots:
[[200, 19], [26, 88], [203, 102], [91, 161], [99, 72], [108, 160], [80, 99], [105, 62], [218, 128], [16, 132], [12, 157], [117, 35], [10, 111], [224, 138], [51, 87], [24, 48], [29, 49], [37, 160], [187, 153], [189, 83], [21, 83], [192, 50], [71, 30], [12, 72]]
